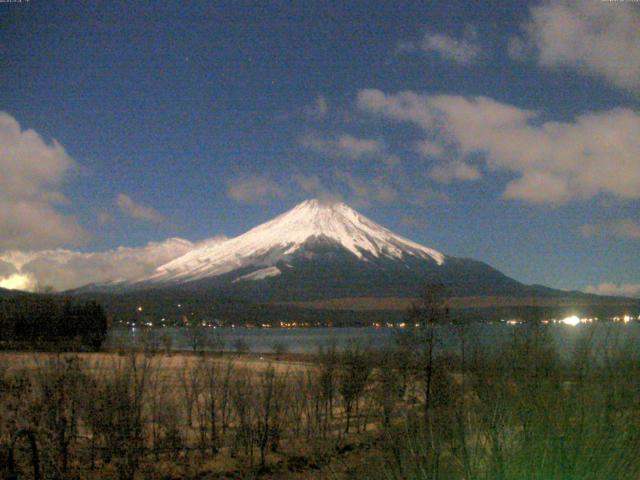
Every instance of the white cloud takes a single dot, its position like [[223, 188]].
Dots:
[[392, 162], [343, 145], [620, 289], [428, 148], [312, 186], [464, 50], [104, 218], [358, 147], [135, 210], [404, 106], [450, 171], [518, 48], [622, 228], [626, 228], [553, 162], [595, 37], [254, 190], [308, 184], [31, 173], [65, 269], [319, 108], [590, 230], [365, 191], [7, 269]]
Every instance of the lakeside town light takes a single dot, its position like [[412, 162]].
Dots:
[[572, 320]]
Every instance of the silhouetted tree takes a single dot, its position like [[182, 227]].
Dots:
[[425, 314], [355, 368]]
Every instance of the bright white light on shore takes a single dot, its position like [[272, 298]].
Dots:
[[572, 320]]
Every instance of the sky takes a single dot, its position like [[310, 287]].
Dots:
[[508, 132]]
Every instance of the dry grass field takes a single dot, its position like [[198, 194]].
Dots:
[[398, 413], [140, 415], [101, 362]]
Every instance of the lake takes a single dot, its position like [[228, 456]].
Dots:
[[307, 340]]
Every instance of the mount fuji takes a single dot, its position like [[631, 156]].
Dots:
[[295, 234], [320, 250]]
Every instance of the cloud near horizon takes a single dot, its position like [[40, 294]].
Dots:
[[598, 153], [620, 228], [66, 269], [32, 172], [621, 289]]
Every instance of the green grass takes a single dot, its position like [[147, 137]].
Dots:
[[522, 414]]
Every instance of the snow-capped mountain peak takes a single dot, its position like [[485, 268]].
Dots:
[[280, 238]]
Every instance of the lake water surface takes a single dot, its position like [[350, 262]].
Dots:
[[308, 340]]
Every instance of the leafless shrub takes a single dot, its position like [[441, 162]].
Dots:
[[388, 384], [241, 396], [279, 348], [240, 345], [116, 414], [190, 384], [353, 374], [58, 387], [269, 410], [196, 334]]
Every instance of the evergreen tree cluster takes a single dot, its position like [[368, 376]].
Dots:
[[47, 321]]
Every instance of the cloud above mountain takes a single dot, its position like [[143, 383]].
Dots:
[[454, 171], [598, 153], [32, 172], [136, 210], [464, 50], [318, 109], [365, 191], [599, 38], [254, 189], [343, 145]]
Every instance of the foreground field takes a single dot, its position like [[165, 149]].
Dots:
[[130, 415], [98, 363], [517, 412]]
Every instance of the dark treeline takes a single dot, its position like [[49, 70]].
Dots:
[[41, 321], [175, 307]]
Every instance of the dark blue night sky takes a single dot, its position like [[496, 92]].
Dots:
[[503, 131]]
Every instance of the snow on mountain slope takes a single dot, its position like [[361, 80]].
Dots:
[[280, 238], [260, 274]]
